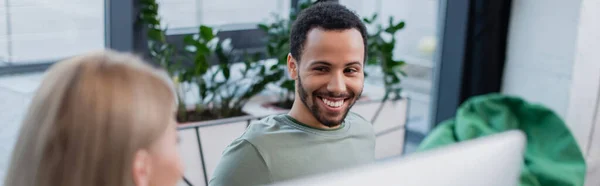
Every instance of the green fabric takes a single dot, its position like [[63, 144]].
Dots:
[[279, 148], [552, 156]]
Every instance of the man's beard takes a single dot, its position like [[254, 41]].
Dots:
[[314, 108]]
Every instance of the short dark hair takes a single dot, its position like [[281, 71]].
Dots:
[[327, 16]]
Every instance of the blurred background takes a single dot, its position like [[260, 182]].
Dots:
[[443, 52]]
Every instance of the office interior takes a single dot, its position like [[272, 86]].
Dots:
[[543, 51]]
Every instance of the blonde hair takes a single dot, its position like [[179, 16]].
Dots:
[[88, 118]]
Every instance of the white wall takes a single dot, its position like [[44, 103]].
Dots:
[[541, 47], [552, 59], [584, 107]]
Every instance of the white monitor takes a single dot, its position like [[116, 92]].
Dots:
[[494, 160]]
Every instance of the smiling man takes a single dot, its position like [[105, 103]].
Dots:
[[319, 134]]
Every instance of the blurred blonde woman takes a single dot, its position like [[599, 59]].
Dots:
[[103, 118]]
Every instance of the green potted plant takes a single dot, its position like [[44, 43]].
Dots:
[[381, 44], [219, 95], [160, 51], [277, 47], [222, 94]]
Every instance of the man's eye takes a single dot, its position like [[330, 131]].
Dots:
[[350, 70], [321, 69]]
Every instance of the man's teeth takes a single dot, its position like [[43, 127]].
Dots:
[[333, 103]]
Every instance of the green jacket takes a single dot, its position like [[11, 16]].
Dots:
[[552, 157]]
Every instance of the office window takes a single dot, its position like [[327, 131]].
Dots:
[[415, 45], [179, 13], [41, 31], [421, 25], [191, 13]]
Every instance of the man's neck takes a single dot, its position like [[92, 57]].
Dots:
[[302, 114]]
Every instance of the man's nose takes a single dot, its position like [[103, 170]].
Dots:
[[337, 84]]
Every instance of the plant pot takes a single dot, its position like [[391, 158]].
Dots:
[[280, 106], [193, 116]]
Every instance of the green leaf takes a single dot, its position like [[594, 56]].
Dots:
[[283, 42], [399, 63], [289, 85], [256, 57], [390, 64], [206, 33], [395, 79], [293, 17], [282, 59], [305, 5], [223, 58], [185, 77], [372, 61], [147, 12], [155, 34], [387, 48], [263, 27], [273, 26], [216, 86], [150, 19], [214, 75], [189, 40], [153, 6], [390, 30], [262, 71], [226, 71], [202, 90], [202, 48], [274, 67], [270, 50], [374, 17], [247, 67], [403, 73], [394, 28], [399, 25], [201, 64]]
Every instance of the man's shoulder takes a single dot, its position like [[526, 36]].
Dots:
[[357, 119], [241, 164], [360, 125]]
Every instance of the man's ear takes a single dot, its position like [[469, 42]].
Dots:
[[292, 65], [141, 168]]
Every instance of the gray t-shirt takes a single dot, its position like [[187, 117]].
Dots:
[[279, 148]]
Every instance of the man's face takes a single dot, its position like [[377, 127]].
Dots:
[[330, 76]]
